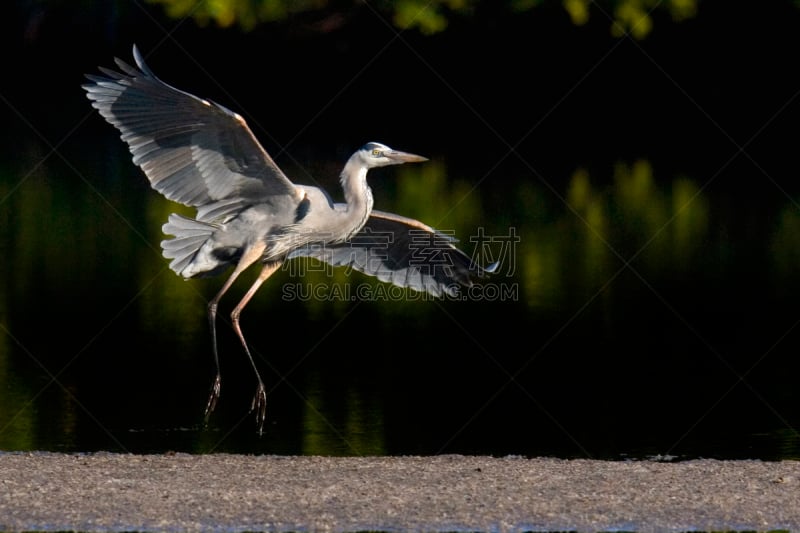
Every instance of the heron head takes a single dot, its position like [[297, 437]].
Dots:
[[379, 155]]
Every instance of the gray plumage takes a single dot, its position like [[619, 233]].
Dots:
[[201, 154]]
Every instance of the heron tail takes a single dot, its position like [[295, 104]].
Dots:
[[190, 235]]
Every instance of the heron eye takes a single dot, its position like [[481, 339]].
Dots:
[[376, 152]]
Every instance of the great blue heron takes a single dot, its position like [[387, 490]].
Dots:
[[201, 154]]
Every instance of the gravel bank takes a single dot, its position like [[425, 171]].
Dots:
[[48, 491]]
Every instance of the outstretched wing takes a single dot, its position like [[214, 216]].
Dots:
[[402, 251], [193, 151]]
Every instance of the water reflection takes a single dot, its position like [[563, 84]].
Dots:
[[785, 243], [357, 429], [618, 290]]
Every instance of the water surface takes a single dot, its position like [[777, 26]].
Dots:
[[636, 311]]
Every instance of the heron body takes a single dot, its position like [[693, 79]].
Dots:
[[201, 154]]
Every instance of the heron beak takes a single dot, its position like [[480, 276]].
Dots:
[[404, 157]]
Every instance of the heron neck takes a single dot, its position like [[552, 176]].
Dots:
[[357, 193]]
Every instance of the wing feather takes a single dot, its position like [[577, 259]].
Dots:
[[404, 252], [193, 151]]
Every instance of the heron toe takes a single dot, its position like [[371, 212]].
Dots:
[[213, 397], [259, 405]]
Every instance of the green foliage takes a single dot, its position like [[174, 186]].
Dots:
[[629, 17], [246, 14], [626, 17], [426, 16]]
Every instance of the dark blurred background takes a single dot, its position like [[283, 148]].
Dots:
[[644, 153], [689, 91]]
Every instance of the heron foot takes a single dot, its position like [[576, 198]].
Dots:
[[213, 397], [259, 405]]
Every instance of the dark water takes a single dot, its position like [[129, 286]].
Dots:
[[646, 221], [634, 313]]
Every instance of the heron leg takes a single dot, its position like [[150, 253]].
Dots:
[[259, 404], [250, 256]]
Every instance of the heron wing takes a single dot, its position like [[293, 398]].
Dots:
[[402, 251], [193, 151]]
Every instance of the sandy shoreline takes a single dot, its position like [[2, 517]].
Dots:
[[115, 492]]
